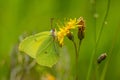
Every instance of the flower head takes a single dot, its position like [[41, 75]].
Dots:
[[65, 30], [71, 24]]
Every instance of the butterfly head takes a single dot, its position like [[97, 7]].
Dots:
[[53, 33]]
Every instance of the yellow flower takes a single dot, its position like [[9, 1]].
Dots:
[[66, 30], [50, 77]]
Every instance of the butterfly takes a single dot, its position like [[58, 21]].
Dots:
[[42, 47]]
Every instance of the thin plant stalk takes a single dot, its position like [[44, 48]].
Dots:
[[76, 56], [110, 53], [97, 41], [80, 41], [94, 17], [97, 72]]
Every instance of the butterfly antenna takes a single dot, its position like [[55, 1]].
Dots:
[[51, 22], [52, 29]]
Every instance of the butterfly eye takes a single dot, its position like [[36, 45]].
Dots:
[[45, 52], [101, 57], [53, 32]]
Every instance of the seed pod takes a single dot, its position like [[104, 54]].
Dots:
[[101, 58]]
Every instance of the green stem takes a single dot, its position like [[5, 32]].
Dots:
[[76, 52], [97, 71], [79, 46], [90, 66], [94, 51]]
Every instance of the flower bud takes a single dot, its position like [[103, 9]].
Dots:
[[81, 28], [70, 36], [101, 57], [81, 34]]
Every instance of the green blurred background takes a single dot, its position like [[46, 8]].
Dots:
[[20, 16]]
